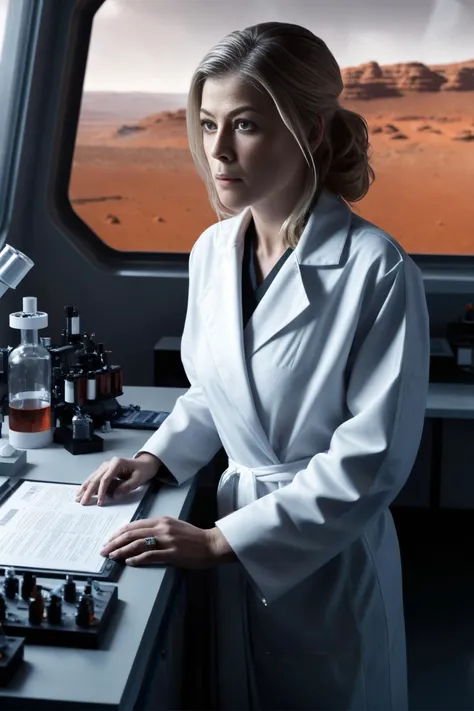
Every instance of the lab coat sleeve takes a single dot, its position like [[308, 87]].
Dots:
[[283, 537], [187, 440]]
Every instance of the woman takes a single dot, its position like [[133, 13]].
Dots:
[[306, 344]]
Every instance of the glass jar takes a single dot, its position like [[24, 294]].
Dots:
[[29, 382]]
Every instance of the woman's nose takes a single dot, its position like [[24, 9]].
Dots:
[[222, 148]]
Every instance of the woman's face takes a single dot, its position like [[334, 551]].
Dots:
[[246, 141]]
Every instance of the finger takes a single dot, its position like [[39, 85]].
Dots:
[[91, 488], [125, 487], [126, 539], [165, 556], [149, 523], [113, 486], [116, 466], [127, 549], [89, 479]]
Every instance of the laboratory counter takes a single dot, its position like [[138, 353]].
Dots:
[[450, 401], [110, 677], [114, 676]]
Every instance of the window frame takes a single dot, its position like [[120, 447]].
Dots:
[[441, 273], [26, 16], [166, 264]]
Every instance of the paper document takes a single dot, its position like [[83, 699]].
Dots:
[[42, 526]]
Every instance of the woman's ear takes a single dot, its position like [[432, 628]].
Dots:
[[316, 134]]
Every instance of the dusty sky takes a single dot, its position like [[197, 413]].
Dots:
[[155, 45]]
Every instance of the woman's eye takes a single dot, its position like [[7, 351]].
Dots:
[[205, 123], [241, 124], [247, 125]]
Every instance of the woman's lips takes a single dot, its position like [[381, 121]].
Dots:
[[228, 181]]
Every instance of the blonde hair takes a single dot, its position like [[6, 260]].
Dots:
[[302, 77]]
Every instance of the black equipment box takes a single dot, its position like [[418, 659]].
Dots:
[[134, 418], [67, 633], [11, 658]]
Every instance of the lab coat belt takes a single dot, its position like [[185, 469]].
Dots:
[[238, 484]]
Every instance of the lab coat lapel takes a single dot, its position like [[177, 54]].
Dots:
[[284, 301], [221, 310], [320, 245]]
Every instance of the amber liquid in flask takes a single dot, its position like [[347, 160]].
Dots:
[[32, 415], [29, 381]]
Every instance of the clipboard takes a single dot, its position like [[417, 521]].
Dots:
[[110, 570]]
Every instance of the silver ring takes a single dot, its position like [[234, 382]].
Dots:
[[151, 542]]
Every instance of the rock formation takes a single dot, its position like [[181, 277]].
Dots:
[[373, 81]]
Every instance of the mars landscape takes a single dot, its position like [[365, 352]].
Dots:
[[134, 183]]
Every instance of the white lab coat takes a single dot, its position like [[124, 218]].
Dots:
[[320, 405]]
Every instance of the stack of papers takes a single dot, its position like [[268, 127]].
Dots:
[[42, 526]]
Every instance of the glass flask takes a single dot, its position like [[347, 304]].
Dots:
[[29, 381]]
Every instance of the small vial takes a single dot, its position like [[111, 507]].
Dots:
[[81, 426], [90, 600], [73, 323], [28, 585], [91, 386], [69, 593], [80, 388], [69, 389], [54, 610], [11, 584], [116, 374], [36, 607], [85, 611], [105, 380]]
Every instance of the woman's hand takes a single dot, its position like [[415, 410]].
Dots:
[[133, 472], [178, 543]]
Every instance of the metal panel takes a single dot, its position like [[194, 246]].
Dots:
[[457, 470]]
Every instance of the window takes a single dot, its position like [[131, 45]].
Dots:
[[408, 69], [15, 24]]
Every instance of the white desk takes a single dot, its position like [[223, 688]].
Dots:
[[108, 678]]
